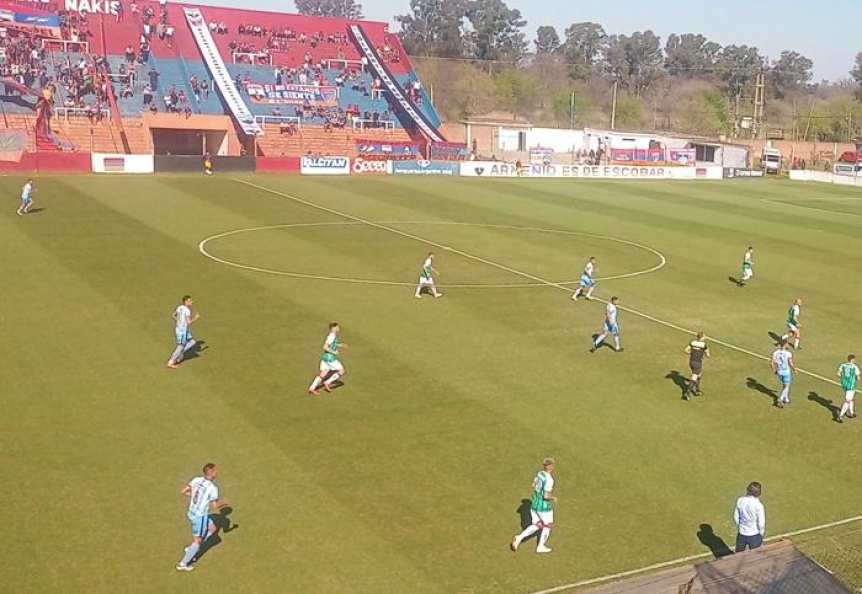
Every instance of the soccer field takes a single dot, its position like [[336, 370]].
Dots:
[[410, 476]]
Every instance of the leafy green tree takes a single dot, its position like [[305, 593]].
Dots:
[[634, 60], [690, 55], [498, 31], [582, 48], [547, 40], [433, 28], [347, 9], [707, 114], [791, 72], [738, 66], [856, 73]]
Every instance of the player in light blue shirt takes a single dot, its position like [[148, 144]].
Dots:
[[587, 282], [610, 327], [183, 319], [26, 198], [203, 498], [782, 365]]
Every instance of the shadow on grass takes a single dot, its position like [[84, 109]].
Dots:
[[195, 351], [735, 281], [35, 210], [223, 525], [713, 542], [680, 380], [755, 385], [525, 518], [825, 403], [776, 338]]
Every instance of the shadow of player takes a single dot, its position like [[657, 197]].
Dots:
[[776, 338], [713, 542], [735, 281], [755, 385], [680, 380], [825, 403], [223, 525], [525, 517]]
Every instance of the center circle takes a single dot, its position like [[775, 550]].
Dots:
[[203, 248]]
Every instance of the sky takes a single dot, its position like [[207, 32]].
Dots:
[[827, 32]]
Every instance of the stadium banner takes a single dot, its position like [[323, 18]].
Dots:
[[682, 157], [364, 166], [325, 166], [292, 94], [444, 168], [449, 151], [656, 156], [108, 163], [487, 169], [733, 172], [541, 155], [97, 6], [622, 172], [219, 72], [375, 150], [847, 169]]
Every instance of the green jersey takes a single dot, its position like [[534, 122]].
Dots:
[[542, 484], [746, 260], [332, 342], [427, 268], [793, 315], [849, 373]]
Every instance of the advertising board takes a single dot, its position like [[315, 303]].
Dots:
[[325, 166]]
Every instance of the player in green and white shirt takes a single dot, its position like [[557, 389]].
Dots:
[[426, 279], [793, 327], [747, 270], [331, 369], [541, 508], [849, 374]]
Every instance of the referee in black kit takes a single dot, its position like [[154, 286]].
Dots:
[[697, 349]]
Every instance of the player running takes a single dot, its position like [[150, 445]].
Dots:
[[747, 263], [849, 374], [697, 349], [610, 327], [793, 326], [587, 283], [27, 192], [541, 508], [426, 279], [782, 365], [329, 364], [183, 319], [203, 498]]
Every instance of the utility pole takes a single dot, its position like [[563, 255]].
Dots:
[[759, 100], [614, 107]]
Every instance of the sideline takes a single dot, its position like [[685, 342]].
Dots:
[[516, 272], [681, 560]]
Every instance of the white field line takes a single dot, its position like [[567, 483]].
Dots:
[[826, 210], [203, 249], [514, 271], [681, 560]]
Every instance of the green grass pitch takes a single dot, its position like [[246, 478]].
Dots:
[[409, 477]]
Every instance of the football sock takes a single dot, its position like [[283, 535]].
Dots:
[[617, 342], [333, 378], [785, 394], [599, 340], [316, 383], [851, 407], [177, 353], [190, 553], [796, 344], [576, 294], [527, 532], [844, 409], [590, 293], [189, 345], [543, 536]]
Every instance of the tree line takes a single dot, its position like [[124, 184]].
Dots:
[[476, 56]]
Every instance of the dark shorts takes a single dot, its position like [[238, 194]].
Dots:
[[696, 367], [752, 542]]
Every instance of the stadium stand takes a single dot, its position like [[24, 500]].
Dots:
[[312, 84]]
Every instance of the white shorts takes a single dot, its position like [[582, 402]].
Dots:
[[546, 518], [425, 281], [331, 366], [793, 328], [849, 394]]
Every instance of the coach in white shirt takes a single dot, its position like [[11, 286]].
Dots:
[[750, 518]]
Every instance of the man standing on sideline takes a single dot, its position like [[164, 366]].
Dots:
[[849, 374], [26, 198], [697, 349], [793, 327], [750, 518], [329, 363], [203, 498], [747, 270], [426, 279], [587, 283], [610, 327], [541, 508], [782, 365], [183, 318]]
